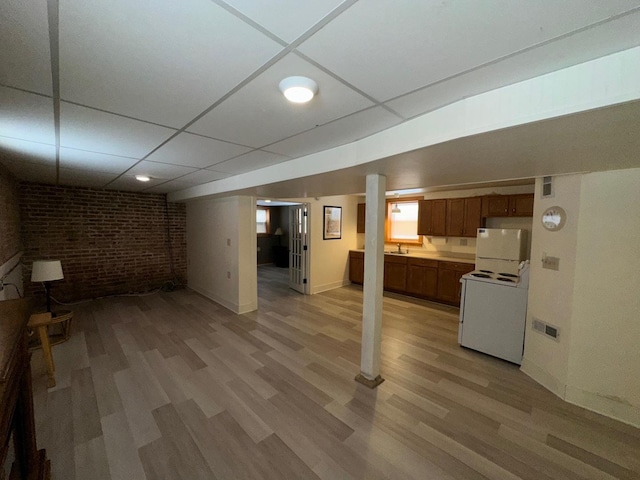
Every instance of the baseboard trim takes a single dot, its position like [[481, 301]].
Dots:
[[234, 307], [544, 378], [611, 407], [329, 286]]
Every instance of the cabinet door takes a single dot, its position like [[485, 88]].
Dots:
[[362, 214], [439, 218], [447, 288], [521, 205], [472, 216], [395, 275], [496, 206], [425, 210], [455, 217], [356, 268]]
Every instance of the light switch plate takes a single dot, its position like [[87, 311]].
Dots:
[[551, 263]]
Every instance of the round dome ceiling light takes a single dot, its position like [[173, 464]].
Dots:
[[143, 178], [298, 89]]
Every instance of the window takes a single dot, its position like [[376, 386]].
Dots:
[[262, 221], [402, 227]]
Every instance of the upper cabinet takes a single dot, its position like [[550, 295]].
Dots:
[[508, 205], [464, 216], [432, 217], [362, 215]]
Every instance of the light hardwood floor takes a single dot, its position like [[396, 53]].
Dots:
[[173, 386]]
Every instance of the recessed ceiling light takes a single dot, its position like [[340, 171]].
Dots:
[[298, 89], [143, 178], [267, 201]]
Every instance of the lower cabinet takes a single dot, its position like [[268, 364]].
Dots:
[[449, 275], [420, 277]]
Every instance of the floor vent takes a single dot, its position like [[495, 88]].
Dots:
[[546, 329]]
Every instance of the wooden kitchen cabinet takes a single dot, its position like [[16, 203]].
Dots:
[[362, 215], [455, 217], [520, 205], [422, 277], [432, 217], [449, 275], [464, 216], [395, 273], [356, 267]]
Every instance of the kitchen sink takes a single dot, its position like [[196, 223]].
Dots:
[[395, 252]]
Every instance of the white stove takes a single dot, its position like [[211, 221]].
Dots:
[[517, 280]]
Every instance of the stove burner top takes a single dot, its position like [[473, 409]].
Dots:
[[480, 275], [510, 275], [503, 279], [486, 271]]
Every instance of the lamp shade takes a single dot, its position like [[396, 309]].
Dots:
[[46, 271], [278, 231]]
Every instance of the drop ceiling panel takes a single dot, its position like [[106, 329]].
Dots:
[[31, 172], [167, 187], [592, 43], [163, 62], [23, 151], [85, 178], [26, 116], [25, 58], [288, 19], [251, 161], [340, 132], [420, 43], [196, 151], [87, 129], [202, 176], [161, 171], [258, 114], [129, 183], [98, 162]]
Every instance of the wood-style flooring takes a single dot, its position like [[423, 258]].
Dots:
[[173, 386]]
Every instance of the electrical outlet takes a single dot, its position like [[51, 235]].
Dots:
[[551, 263], [228, 274], [228, 242]]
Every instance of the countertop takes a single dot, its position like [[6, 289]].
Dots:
[[431, 256]]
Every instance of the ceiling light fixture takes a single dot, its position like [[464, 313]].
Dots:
[[143, 178], [395, 208], [267, 201], [298, 89]]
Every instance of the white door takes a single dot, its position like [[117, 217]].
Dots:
[[299, 248]]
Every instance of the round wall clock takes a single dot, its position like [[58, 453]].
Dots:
[[553, 218]]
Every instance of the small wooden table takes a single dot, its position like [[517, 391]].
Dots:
[[41, 322]]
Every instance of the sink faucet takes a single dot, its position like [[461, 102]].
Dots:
[[399, 245]]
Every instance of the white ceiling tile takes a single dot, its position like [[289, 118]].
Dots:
[[419, 43], [168, 187], [258, 114], [288, 19], [202, 176], [25, 58], [196, 151], [87, 129], [161, 171], [23, 151], [129, 183], [340, 132], [164, 62], [251, 161], [26, 116], [98, 162], [85, 178], [580, 47], [31, 172]]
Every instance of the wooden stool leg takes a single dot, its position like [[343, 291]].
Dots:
[[48, 356]]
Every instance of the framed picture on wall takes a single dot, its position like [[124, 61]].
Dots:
[[332, 223]]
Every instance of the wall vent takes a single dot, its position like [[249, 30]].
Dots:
[[545, 329], [547, 187]]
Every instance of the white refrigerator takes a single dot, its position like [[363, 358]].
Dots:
[[500, 250]]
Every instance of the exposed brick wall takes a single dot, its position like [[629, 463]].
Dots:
[[9, 216], [109, 242]]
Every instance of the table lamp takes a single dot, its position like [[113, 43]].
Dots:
[[278, 233], [46, 271]]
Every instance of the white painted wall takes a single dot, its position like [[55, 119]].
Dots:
[[593, 298], [604, 360], [221, 246], [330, 258], [551, 292]]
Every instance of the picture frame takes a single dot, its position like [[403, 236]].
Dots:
[[332, 223]]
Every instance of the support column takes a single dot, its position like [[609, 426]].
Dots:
[[373, 282]]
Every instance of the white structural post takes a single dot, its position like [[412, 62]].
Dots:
[[373, 282]]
